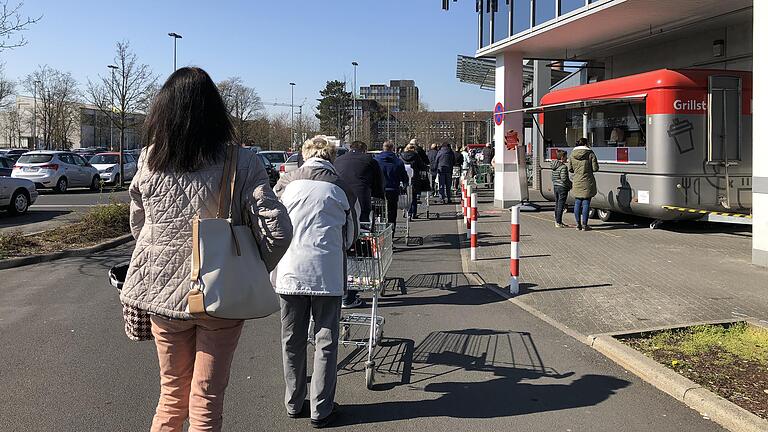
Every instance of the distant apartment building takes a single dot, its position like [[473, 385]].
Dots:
[[91, 128], [398, 96]]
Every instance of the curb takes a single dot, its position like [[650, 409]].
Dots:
[[718, 409], [36, 259]]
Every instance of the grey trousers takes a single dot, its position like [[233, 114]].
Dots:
[[295, 311]]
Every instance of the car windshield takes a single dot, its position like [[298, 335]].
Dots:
[[274, 157], [35, 158], [104, 159]]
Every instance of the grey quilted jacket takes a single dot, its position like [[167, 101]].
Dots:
[[162, 208]]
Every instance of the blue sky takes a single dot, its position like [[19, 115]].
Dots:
[[266, 42]]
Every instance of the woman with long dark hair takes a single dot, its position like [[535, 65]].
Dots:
[[188, 131]]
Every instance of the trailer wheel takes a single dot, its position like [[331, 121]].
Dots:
[[604, 215]]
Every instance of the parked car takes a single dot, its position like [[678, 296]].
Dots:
[[291, 164], [58, 170], [274, 176], [16, 195], [275, 157], [12, 154], [108, 165], [6, 166]]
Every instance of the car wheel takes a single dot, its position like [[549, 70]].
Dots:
[[95, 183], [61, 185], [604, 215], [19, 202]]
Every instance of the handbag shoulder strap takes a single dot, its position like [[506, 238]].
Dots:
[[227, 188]]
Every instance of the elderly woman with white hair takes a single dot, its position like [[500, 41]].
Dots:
[[311, 277]]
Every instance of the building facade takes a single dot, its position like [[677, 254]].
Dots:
[[88, 127], [701, 51], [399, 95]]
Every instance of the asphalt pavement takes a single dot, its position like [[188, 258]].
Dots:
[[454, 357], [53, 209]]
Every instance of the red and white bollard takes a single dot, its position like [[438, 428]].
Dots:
[[473, 231], [469, 210], [514, 258]]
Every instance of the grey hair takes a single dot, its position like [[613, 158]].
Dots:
[[319, 147]]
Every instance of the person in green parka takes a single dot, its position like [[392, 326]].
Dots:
[[583, 166]]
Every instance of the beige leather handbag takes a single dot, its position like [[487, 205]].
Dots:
[[229, 279]]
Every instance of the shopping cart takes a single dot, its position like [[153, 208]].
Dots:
[[378, 215], [367, 266], [403, 229]]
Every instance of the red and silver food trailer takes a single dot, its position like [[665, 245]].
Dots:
[[664, 139]]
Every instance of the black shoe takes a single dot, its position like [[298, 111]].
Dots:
[[357, 302], [327, 420], [578, 227], [302, 413]]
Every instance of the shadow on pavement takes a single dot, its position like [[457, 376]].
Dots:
[[33, 216], [486, 369], [449, 289]]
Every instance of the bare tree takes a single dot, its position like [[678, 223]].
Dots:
[[243, 104], [57, 105], [125, 94], [7, 88], [11, 24]]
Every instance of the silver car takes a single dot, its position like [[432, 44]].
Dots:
[[58, 170], [16, 195]]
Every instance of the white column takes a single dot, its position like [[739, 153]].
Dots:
[[542, 80], [509, 91], [759, 146]]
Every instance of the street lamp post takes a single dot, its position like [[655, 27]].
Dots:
[[34, 115], [293, 140], [112, 68], [121, 171], [354, 100], [175, 36]]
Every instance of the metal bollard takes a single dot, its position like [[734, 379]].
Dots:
[[473, 231], [469, 210], [514, 259]]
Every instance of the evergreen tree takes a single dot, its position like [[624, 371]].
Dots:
[[335, 109]]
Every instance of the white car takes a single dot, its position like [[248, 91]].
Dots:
[[16, 195], [108, 165], [58, 170], [276, 158], [292, 164]]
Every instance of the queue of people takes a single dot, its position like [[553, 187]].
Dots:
[[302, 230]]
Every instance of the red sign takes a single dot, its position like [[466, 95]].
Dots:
[[622, 154], [511, 140]]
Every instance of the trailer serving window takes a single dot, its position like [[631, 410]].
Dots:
[[615, 128]]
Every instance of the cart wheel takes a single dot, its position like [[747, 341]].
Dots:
[[369, 374], [344, 333]]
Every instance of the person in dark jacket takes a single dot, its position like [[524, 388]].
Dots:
[[432, 156], [561, 184], [488, 153], [411, 157], [419, 150], [362, 174], [583, 166], [395, 178], [445, 160]]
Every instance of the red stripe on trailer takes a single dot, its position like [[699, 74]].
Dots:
[[515, 233], [473, 241]]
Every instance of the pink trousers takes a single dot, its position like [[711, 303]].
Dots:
[[195, 357]]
